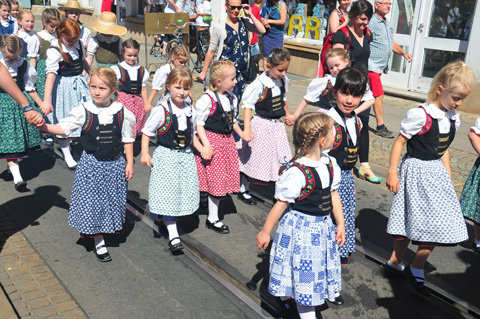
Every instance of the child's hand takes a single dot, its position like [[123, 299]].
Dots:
[[148, 108], [290, 119], [207, 152], [393, 184], [263, 240], [37, 120], [46, 107], [129, 171], [146, 160], [340, 235], [248, 136]]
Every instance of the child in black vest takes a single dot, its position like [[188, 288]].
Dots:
[[425, 207], [173, 189], [99, 193], [266, 145], [305, 244]]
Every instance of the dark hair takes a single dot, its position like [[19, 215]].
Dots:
[[351, 81], [49, 15], [359, 7], [277, 56], [130, 44]]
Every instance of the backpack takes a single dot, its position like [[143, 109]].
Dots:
[[327, 45]]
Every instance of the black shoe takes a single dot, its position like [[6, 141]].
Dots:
[[175, 247], [102, 257], [475, 248], [384, 132], [221, 230], [419, 286], [344, 260], [390, 271], [248, 201], [338, 301], [21, 186]]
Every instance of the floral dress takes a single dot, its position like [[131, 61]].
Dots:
[[234, 49]]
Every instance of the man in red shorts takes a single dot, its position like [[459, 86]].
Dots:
[[381, 48]]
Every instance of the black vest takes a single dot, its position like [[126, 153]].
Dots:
[[128, 86], [169, 136], [429, 144], [314, 200], [24, 52], [218, 120], [272, 108], [108, 53], [343, 149], [326, 97], [19, 78], [104, 141], [44, 46], [75, 67]]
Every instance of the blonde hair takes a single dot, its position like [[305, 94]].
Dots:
[[11, 44], [24, 12], [179, 51], [451, 76], [338, 52], [181, 75], [307, 130], [217, 72], [108, 76]]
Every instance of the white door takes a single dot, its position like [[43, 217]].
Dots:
[[439, 34]]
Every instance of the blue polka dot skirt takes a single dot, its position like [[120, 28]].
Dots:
[[304, 260], [99, 196], [346, 191], [426, 208]]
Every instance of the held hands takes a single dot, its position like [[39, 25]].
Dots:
[[146, 160], [148, 108], [129, 171], [202, 75], [263, 240], [46, 107], [247, 136], [290, 119], [393, 184], [36, 119], [207, 152]]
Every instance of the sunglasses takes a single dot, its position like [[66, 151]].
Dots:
[[234, 7]]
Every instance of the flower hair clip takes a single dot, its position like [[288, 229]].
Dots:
[[287, 163]]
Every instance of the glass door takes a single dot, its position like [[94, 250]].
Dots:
[[442, 37], [404, 19]]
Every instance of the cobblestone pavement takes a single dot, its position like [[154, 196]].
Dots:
[[32, 288]]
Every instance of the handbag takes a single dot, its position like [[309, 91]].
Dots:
[[252, 69]]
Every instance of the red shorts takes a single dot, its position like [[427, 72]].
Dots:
[[375, 83]]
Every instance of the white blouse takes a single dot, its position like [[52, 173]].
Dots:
[[30, 77], [93, 43], [33, 42], [76, 118], [47, 36], [160, 77], [204, 105], [318, 85], [254, 90], [290, 184], [132, 72], [350, 121], [54, 57], [156, 119], [476, 127], [86, 36], [416, 119]]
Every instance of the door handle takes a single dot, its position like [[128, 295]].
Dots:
[[420, 27]]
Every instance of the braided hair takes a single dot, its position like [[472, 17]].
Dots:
[[307, 130]]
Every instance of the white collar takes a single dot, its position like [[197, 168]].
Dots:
[[338, 118], [187, 110], [13, 66], [125, 65], [266, 80], [46, 36], [111, 109], [324, 159], [213, 95], [437, 113]]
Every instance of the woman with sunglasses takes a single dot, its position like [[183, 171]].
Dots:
[[231, 38]]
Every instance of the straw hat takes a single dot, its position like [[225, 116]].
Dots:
[[72, 5], [107, 24]]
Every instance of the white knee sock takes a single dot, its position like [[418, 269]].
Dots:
[[15, 170], [306, 312], [244, 187], [172, 231], [67, 155], [99, 241], [213, 210]]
